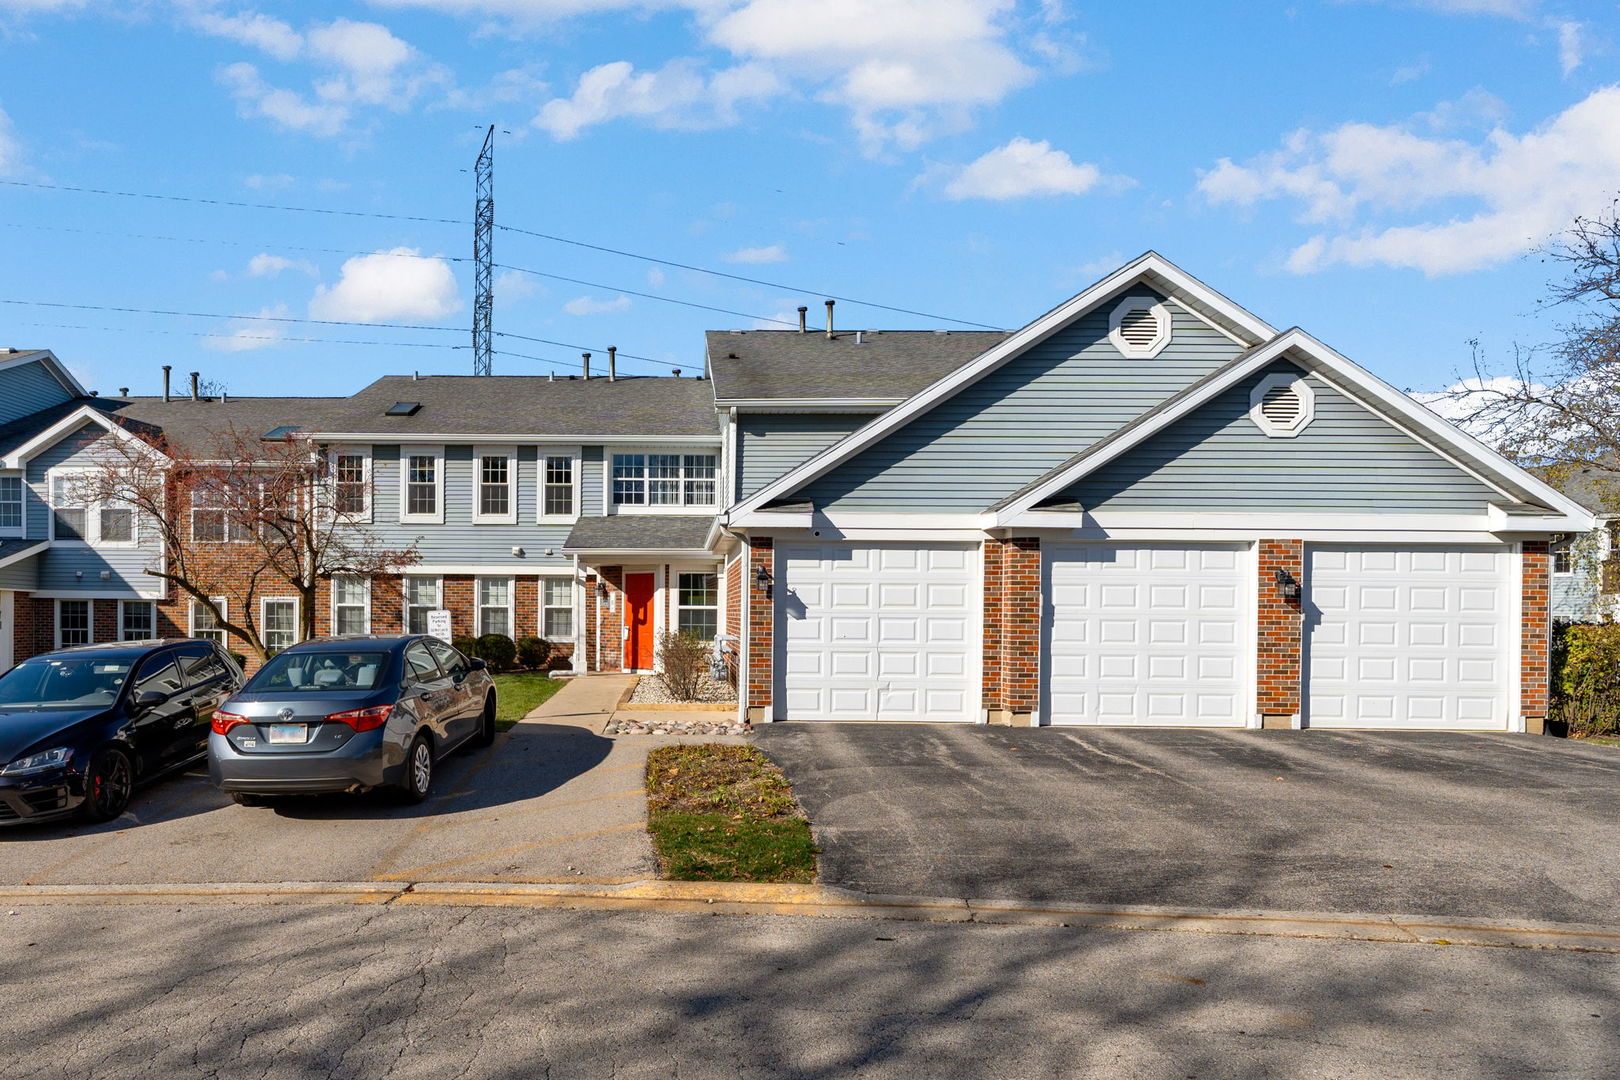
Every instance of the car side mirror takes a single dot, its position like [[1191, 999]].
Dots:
[[476, 663], [150, 699]]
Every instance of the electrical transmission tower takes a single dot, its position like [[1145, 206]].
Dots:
[[483, 256]]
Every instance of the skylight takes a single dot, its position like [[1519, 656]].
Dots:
[[403, 408]]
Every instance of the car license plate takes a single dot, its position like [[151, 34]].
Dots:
[[289, 733]]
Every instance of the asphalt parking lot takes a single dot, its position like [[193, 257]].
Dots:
[[1412, 822]]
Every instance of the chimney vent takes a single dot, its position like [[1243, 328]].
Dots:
[[194, 376], [676, 373], [613, 363], [166, 369], [123, 391], [829, 320], [859, 334], [802, 311], [587, 357], [95, 393]]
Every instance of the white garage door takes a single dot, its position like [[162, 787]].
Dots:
[[1407, 638], [877, 631], [1146, 634]]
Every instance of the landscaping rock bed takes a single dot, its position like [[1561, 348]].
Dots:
[[652, 691], [673, 726]]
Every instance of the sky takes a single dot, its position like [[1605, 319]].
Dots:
[[1381, 174]]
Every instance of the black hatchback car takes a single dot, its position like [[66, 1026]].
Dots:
[[80, 728], [350, 714]]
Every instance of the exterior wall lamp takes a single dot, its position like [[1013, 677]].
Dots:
[[1286, 584], [762, 578], [601, 590]]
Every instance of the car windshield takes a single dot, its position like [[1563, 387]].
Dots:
[[316, 672], [64, 683]]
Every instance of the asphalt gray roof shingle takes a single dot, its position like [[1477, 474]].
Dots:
[[762, 365], [9, 548], [639, 532]]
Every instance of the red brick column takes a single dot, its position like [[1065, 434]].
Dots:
[[734, 598], [459, 598], [388, 604], [1535, 657], [1012, 629], [759, 677], [36, 626], [103, 620], [1280, 642], [588, 634], [526, 607], [604, 620]]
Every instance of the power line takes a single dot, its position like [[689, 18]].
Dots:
[[216, 315], [643, 295], [585, 348], [275, 244], [232, 203], [242, 337]]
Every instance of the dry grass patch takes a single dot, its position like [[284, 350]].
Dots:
[[726, 813]]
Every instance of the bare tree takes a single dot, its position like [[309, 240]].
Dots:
[[242, 517]]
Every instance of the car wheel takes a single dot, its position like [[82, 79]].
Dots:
[[486, 724], [243, 798], [418, 783], [108, 784]]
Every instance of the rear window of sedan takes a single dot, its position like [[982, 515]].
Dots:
[[318, 672]]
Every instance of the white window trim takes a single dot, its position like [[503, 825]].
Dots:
[[406, 605], [1307, 405], [21, 528], [363, 517], [680, 508], [511, 515], [89, 621], [264, 604], [405, 455], [365, 602], [92, 514], [479, 607], [572, 607], [576, 463], [224, 606], [718, 607], [122, 605], [1161, 315], [232, 529]]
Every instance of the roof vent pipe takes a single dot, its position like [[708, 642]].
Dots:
[[613, 362], [416, 376], [194, 375], [802, 311], [166, 369], [587, 357], [829, 320], [123, 391], [551, 376], [858, 335], [676, 373]]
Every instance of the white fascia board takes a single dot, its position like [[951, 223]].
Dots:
[[55, 366], [806, 405], [482, 570], [62, 429], [599, 555], [1148, 265], [385, 438], [843, 521], [858, 535], [1504, 522], [25, 553]]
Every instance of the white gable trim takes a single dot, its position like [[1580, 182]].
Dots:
[[1450, 442], [57, 369], [27, 552], [1151, 265], [60, 430]]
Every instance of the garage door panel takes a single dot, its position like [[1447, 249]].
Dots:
[[877, 631], [1422, 645], [1161, 641]]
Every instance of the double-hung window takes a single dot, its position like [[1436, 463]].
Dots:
[[72, 622], [664, 480], [278, 626], [423, 496], [1563, 558], [351, 604], [219, 511], [495, 606], [11, 505], [203, 623], [698, 604], [77, 513], [557, 474], [136, 620], [421, 597], [496, 480], [557, 608], [351, 485]]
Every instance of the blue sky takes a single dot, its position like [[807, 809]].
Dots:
[[1373, 172]]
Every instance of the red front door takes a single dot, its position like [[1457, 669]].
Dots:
[[638, 621]]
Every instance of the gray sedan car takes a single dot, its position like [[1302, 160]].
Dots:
[[350, 714]]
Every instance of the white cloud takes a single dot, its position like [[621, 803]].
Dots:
[[270, 180], [271, 36], [1571, 44], [250, 335], [509, 285], [265, 265], [370, 63], [775, 253], [1410, 72], [1477, 203], [656, 278], [589, 305], [1096, 268], [1461, 402], [678, 95], [386, 286], [10, 148], [1023, 168], [286, 108]]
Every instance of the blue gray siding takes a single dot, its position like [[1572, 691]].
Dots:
[[1575, 598], [591, 482], [1346, 460], [79, 567], [1015, 424], [23, 574], [768, 445], [28, 388]]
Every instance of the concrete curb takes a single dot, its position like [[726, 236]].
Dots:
[[822, 901]]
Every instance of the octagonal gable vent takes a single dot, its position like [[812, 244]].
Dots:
[[1282, 405], [1139, 326]]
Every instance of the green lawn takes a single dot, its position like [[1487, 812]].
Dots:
[[726, 813], [518, 692]]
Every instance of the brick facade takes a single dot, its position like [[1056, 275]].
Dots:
[[1012, 629], [759, 678], [1280, 643], [604, 619], [1535, 620]]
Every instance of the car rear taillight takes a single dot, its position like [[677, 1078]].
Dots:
[[364, 719], [223, 721]]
